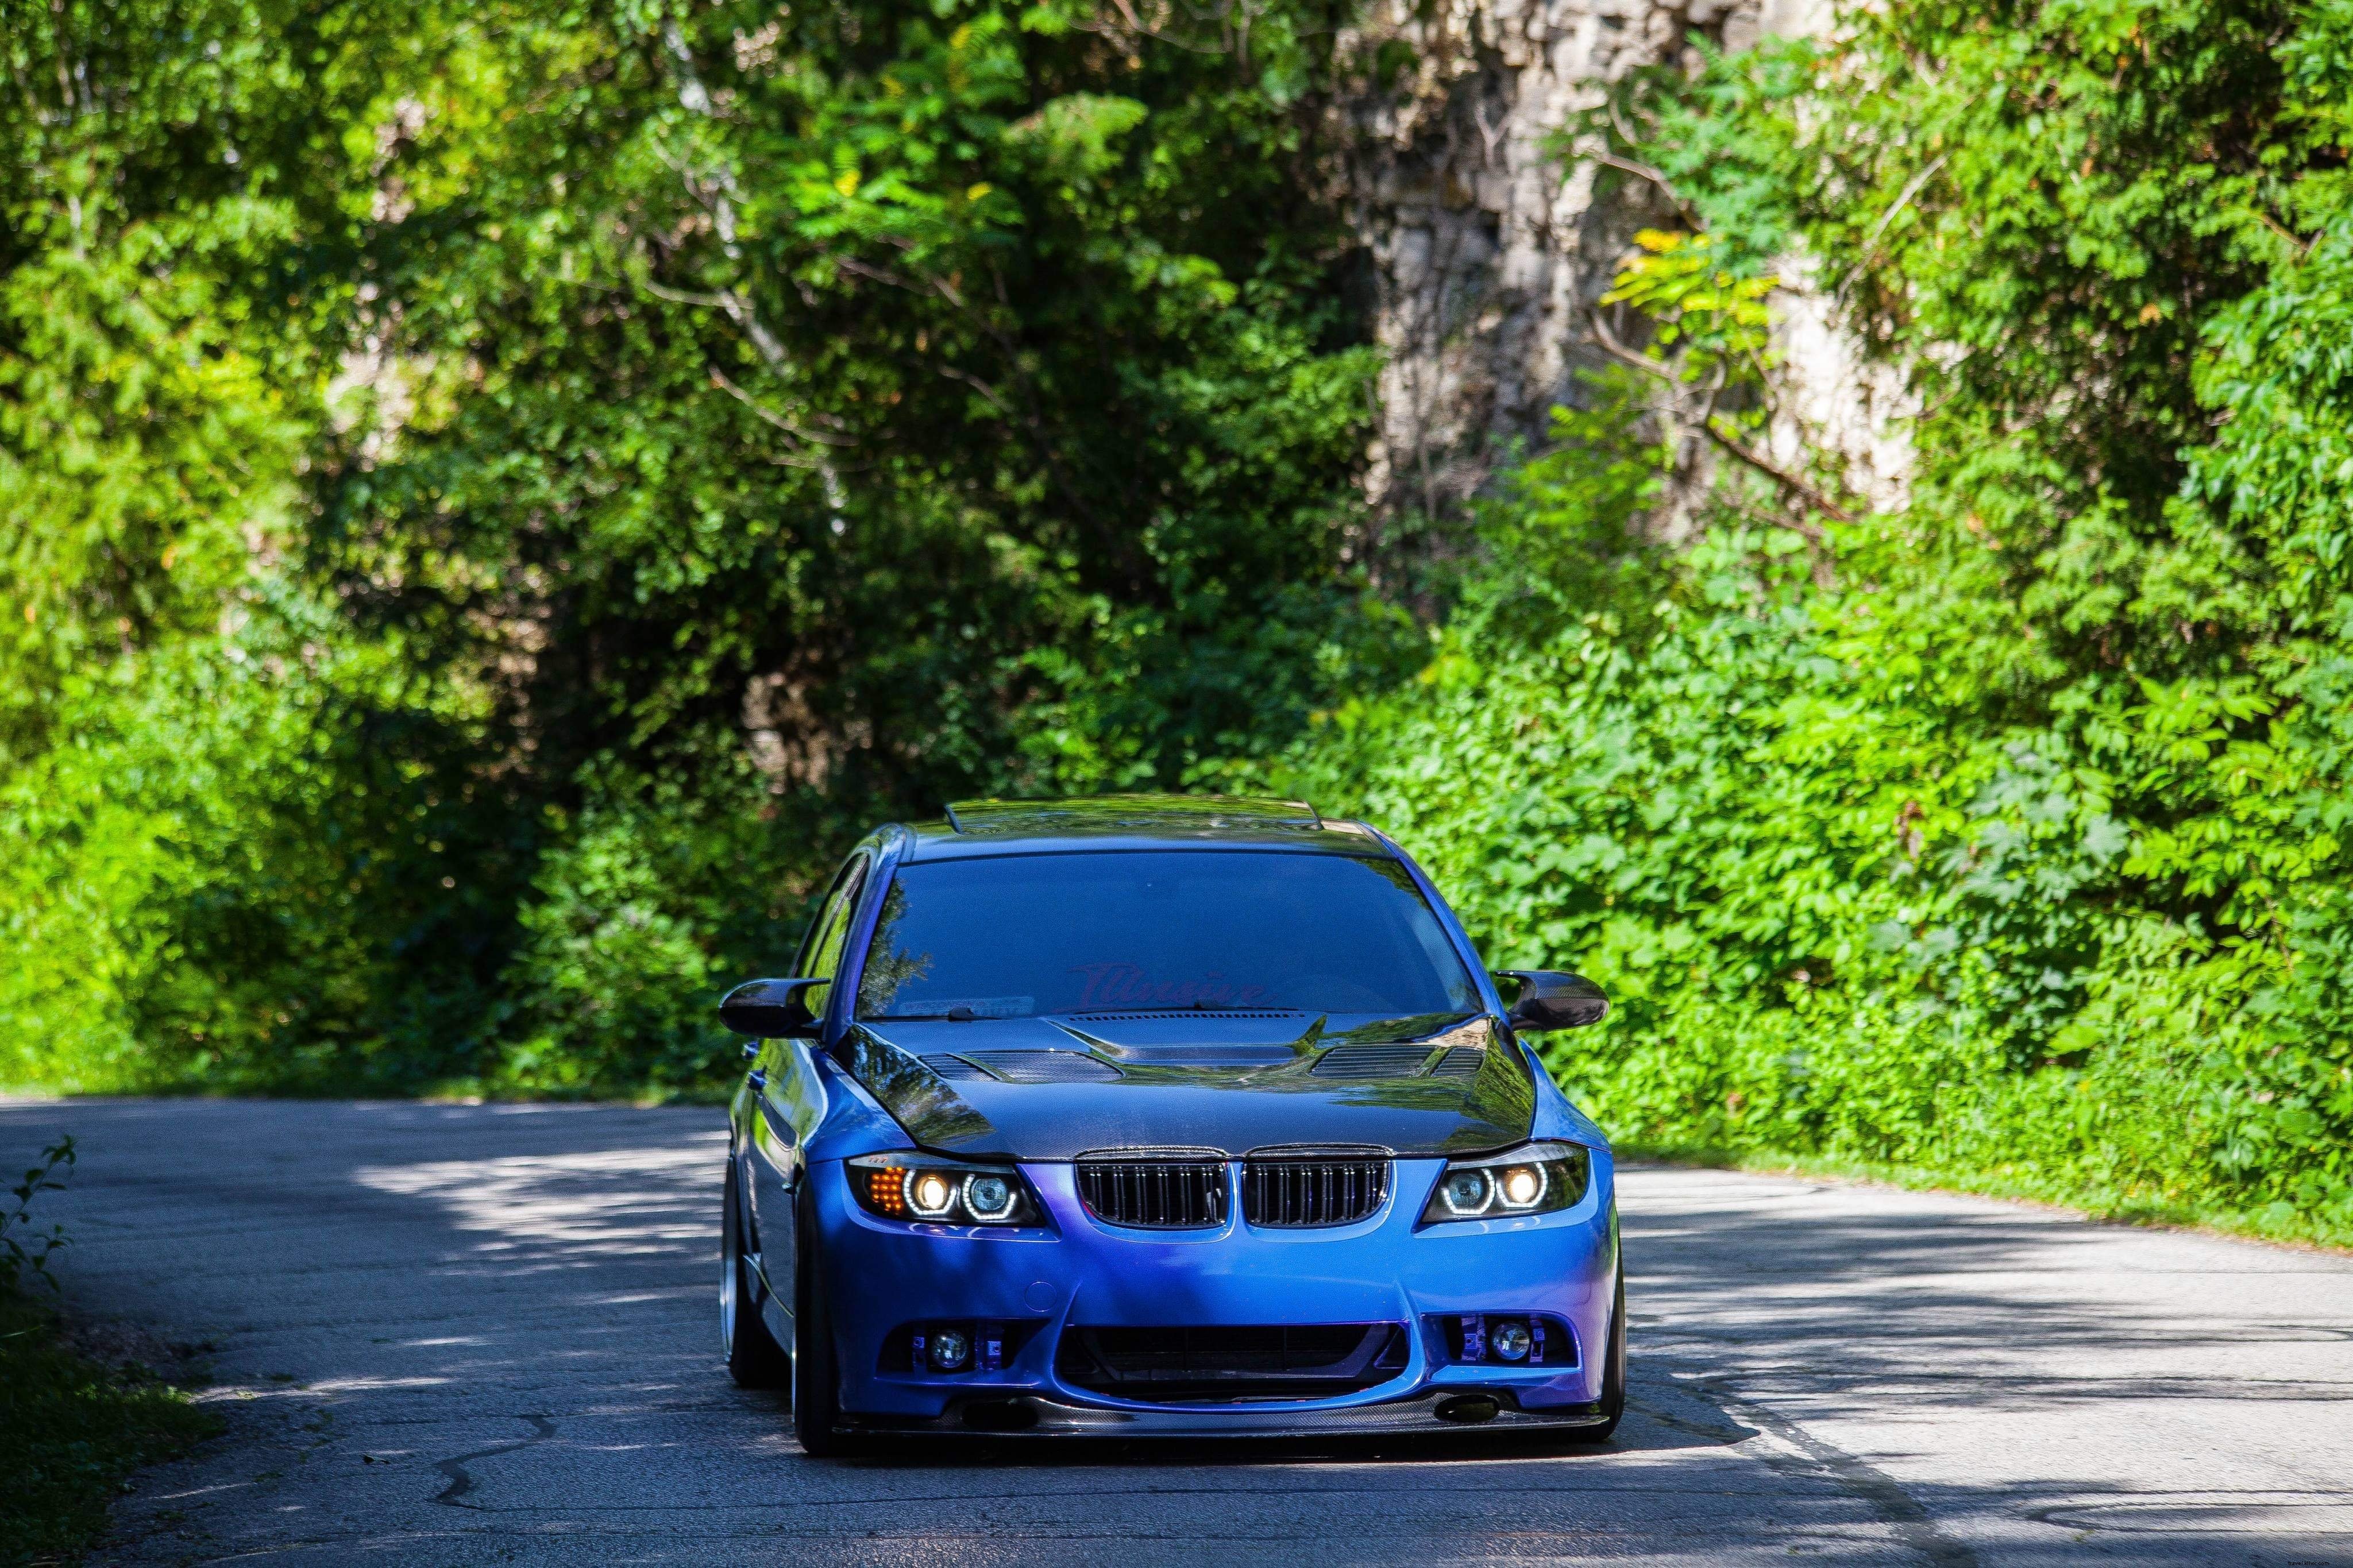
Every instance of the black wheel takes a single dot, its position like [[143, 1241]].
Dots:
[[754, 1358], [1613, 1372], [817, 1379]]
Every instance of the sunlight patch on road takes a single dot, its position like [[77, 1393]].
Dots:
[[609, 1203]]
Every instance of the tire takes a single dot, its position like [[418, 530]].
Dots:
[[754, 1358], [1613, 1372], [817, 1379]]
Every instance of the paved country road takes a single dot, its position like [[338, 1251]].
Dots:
[[452, 1334]]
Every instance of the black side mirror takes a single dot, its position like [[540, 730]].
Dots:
[[1551, 1000], [771, 1009]]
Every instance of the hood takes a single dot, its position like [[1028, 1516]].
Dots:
[[1054, 1088]]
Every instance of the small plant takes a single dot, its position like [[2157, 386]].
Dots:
[[72, 1430], [22, 1249]]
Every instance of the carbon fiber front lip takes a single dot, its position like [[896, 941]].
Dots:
[[1419, 1414]]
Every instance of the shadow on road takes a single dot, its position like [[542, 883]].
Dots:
[[491, 1323], [1968, 1306]]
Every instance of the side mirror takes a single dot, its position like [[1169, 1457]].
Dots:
[[771, 1009], [1551, 1000]]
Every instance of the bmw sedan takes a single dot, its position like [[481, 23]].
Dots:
[[1151, 1115]]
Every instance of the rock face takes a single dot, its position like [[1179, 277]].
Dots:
[[1490, 246]]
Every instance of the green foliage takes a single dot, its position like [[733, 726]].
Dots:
[[1718, 318], [24, 1250], [2010, 849], [70, 1430], [501, 497]]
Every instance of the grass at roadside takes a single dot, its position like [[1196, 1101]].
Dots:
[[71, 1430], [2278, 1224]]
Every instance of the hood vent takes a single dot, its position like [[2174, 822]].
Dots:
[[953, 1068], [1462, 1061], [1042, 1066], [1185, 1014], [1373, 1061]]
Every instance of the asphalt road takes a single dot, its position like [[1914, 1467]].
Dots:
[[486, 1334]]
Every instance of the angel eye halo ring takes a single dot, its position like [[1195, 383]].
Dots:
[[989, 1197], [931, 1193], [1534, 1178], [924, 1187]]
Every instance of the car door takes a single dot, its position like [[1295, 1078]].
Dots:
[[789, 1101]]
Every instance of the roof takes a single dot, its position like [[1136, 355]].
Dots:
[[977, 828]]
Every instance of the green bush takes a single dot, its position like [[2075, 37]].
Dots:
[[500, 499], [70, 1430], [1836, 922], [1999, 837]]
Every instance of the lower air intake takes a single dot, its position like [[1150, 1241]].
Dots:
[[1225, 1363]]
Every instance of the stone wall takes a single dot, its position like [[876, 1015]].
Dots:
[[1489, 248]]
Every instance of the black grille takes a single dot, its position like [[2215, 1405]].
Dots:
[[1307, 1361], [1297, 1193], [1156, 1194]]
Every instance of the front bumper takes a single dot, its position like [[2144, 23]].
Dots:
[[885, 1275]]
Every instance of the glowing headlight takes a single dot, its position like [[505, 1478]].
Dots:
[[1534, 1178], [989, 1198], [931, 1193], [917, 1187]]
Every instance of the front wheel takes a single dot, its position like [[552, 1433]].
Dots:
[[754, 1358], [1613, 1372], [817, 1379]]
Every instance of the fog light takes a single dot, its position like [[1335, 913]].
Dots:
[[1509, 1340], [951, 1348]]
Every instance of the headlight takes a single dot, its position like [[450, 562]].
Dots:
[[918, 1186], [1536, 1178]]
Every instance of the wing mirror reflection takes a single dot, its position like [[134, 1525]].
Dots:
[[772, 1009], [1552, 999]]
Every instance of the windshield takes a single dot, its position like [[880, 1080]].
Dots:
[[1158, 930]]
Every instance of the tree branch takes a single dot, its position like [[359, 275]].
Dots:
[[986, 391], [1618, 351], [1783, 478], [1901, 201], [719, 379], [695, 98], [1789, 483], [682, 296], [1642, 171]]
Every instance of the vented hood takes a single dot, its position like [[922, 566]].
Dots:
[[1053, 1088]]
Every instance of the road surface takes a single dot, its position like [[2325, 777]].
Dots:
[[450, 1334]]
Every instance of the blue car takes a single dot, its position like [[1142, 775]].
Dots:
[[1161, 1115]]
